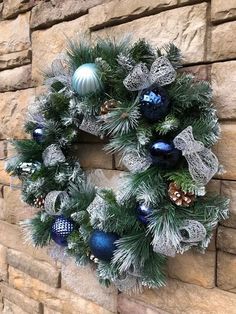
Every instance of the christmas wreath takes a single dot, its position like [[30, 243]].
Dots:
[[162, 123]]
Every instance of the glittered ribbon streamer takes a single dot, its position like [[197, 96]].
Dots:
[[53, 200], [136, 163], [202, 163], [161, 73], [53, 155]]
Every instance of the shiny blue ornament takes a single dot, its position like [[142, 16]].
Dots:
[[143, 213], [154, 104], [164, 154], [102, 244], [61, 229], [38, 134], [86, 79]]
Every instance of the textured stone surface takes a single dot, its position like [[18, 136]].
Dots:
[[191, 268], [223, 10], [201, 72], [36, 269], [91, 288], [3, 149], [29, 305], [226, 271], [223, 77], [56, 299], [12, 8], [226, 239], [189, 37], [15, 34], [182, 298], [228, 188], [3, 263], [13, 106], [4, 177], [47, 44], [14, 79], [226, 148], [119, 11], [11, 308], [10, 60], [223, 46]]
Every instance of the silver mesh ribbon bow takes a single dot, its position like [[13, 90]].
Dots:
[[53, 202], [161, 73], [202, 163], [136, 163], [53, 155], [91, 126]]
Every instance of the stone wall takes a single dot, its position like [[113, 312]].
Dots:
[[32, 33]]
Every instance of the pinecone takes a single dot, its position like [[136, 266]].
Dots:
[[179, 197], [39, 202], [107, 106]]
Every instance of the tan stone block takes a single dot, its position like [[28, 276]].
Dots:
[[223, 76], [214, 186], [29, 305], [14, 79], [223, 46], [3, 263], [93, 156], [36, 269], [15, 35], [56, 299], [226, 148], [193, 267], [201, 72], [189, 37], [47, 310], [13, 107], [3, 149], [14, 59], [47, 44], [226, 271], [4, 176], [182, 298], [91, 289], [120, 11], [11, 308], [226, 239], [13, 7], [12, 236], [228, 188], [223, 10]]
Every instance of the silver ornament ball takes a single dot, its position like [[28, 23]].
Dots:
[[86, 79]]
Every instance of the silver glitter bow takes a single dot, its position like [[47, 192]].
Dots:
[[91, 125], [53, 202], [53, 155], [136, 163], [161, 73], [97, 211], [202, 163]]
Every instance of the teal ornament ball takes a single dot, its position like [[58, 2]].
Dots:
[[86, 79]]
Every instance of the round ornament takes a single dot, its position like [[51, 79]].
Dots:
[[154, 104], [38, 134], [143, 212], [61, 229], [86, 79], [102, 244], [164, 154]]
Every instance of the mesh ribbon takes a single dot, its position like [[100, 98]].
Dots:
[[161, 72], [91, 125], [202, 163], [135, 163], [53, 200], [53, 155], [192, 231]]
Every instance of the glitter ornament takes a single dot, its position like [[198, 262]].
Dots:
[[38, 134], [61, 229], [143, 213], [86, 79], [179, 197], [102, 244], [164, 154], [154, 104]]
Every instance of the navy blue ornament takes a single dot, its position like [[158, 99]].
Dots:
[[143, 212], [164, 154], [154, 104], [38, 134], [102, 244], [61, 229]]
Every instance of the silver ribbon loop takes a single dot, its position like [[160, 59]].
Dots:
[[161, 73], [53, 155], [53, 202], [136, 163], [192, 231], [202, 163]]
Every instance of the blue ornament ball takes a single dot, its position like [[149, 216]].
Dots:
[[102, 244], [86, 79], [154, 104], [164, 154], [143, 212], [61, 229], [38, 134]]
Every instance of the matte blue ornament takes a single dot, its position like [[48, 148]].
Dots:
[[86, 79], [61, 229], [102, 244], [154, 104], [164, 154], [38, 134], [143, 212]]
